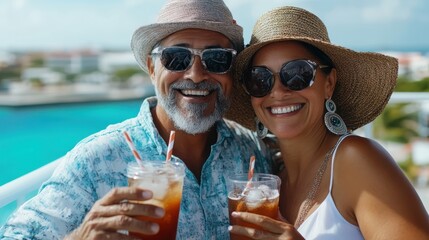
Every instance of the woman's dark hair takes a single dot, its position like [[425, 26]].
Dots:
[[321, 56]]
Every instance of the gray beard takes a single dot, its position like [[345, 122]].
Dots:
[[192, 119]]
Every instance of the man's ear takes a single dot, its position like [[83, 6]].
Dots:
[[330, 83], [151, 69]]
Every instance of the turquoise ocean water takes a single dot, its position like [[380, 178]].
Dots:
[[31, 137]]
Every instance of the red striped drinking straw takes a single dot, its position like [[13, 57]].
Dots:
[[170, 146], [133, 148], [251, 170]]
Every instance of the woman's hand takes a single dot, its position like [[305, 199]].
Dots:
[[115, 213], [272, 229]]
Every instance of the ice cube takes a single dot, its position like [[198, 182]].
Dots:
[[268, 192], [158, 184], [273, 194], [265, 190], [254, 198], [235, 196]]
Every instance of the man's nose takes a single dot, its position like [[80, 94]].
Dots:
[[197, 72]]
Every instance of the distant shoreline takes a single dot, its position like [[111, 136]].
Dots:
[[35, 99]]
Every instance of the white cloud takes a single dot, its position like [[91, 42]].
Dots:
[[370, 13], [389, 10], [19, 4], [246, 12], [257, 7], [15, 16], [133, 3], [36, 23]]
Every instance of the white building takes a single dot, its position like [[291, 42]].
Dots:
[[414, 65], [109, 62], [7, 59], [73, 62], [45, 75]]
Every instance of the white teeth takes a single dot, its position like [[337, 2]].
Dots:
[[288, 109], [195, 92]]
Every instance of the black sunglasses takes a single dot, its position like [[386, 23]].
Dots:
[[180, 59], [295, 75]]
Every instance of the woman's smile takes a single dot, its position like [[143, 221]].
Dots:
[[285, 109]]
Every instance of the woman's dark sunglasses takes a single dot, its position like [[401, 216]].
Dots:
[[295, 75], [180, 59]]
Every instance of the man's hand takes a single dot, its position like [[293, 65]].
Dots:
[[115, 213]]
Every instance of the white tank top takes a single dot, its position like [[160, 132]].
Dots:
[[326, 222]]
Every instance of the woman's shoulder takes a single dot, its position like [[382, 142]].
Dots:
[[367, 177], [367, 160], [364, 165], [364, 152], [369, 185]]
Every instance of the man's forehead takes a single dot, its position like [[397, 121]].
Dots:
[[197, 38]]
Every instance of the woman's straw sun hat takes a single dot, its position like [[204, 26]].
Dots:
[[178, 15], [365, 81]]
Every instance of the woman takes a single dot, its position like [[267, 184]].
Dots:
[[311, 94]]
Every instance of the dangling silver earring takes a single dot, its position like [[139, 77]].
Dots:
[[261, 130], [333, 121]]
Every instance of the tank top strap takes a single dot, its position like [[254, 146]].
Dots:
[[333, 159]]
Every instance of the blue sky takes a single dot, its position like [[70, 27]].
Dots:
[[58, 24]]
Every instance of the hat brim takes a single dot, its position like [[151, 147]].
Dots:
[[365, 82], [145, 38]]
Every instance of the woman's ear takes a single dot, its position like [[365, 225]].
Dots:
[[151, 69], [330, 83]]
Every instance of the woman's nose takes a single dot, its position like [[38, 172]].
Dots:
[[279, 89]]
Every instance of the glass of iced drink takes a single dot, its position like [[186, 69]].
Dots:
[[165, 180], [260, 196]]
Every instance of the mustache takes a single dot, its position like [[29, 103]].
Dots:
[[188, 84]]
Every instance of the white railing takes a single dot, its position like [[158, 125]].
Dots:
[[400, 97], [18, 189]]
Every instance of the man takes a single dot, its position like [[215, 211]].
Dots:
[[188, 54]]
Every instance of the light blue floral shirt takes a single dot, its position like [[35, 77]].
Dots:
[[98, 163]]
